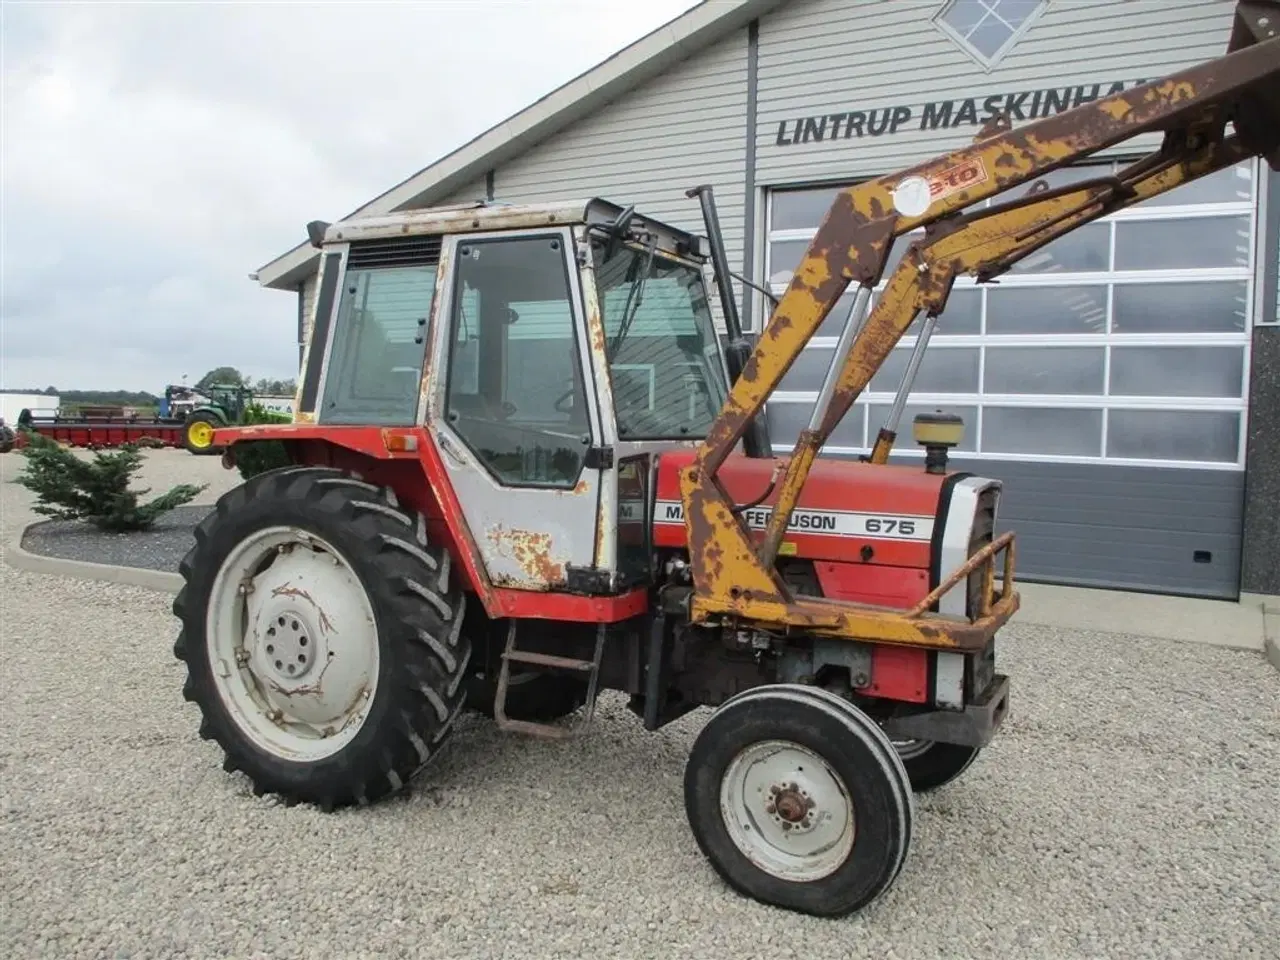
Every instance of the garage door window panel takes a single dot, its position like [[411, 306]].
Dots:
[[1042, 431], [1071, 371], [1183, 435], [1218, 306], [1196, 243], [1149, 307], [1047, 310], [1177, 371]]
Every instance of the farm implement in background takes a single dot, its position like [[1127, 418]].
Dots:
[[187, 418]]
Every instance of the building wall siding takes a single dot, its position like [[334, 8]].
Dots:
[[833, 56], [679, 130], [308, 294], [475, 190]]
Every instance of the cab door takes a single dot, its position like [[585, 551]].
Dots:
[[513, 407]]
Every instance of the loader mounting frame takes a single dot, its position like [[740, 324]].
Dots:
[[735, 578]]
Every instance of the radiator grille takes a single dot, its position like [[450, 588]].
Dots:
[[984, 527], [396, 252]]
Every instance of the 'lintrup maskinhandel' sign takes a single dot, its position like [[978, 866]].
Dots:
[[943, 114]]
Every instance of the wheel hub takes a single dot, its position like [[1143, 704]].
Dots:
[[294, 643], [787, 810], [286, 649], [791, 806]]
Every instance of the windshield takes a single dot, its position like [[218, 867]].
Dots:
[[664, 356]]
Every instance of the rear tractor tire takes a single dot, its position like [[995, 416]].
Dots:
[[799, 800], [197, 434], [321, 634]]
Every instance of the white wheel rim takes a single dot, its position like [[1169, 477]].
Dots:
[[292, 644], [787, 811]]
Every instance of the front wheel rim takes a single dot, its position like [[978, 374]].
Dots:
[[787, 811], [292, 644]]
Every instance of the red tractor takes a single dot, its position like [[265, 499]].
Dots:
[[524, 470]]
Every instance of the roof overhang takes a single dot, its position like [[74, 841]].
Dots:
[[633, 65]]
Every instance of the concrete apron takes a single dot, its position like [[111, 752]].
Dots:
[[1252, 623]]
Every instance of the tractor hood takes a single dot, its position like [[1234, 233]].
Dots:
[[848, 510]]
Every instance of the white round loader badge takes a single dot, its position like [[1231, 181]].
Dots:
[[911, 197]]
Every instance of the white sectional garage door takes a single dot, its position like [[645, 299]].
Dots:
[[1104, 379]]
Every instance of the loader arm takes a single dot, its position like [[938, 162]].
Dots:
[[1192, 108]]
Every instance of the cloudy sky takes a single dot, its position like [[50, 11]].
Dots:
[[155, 154]]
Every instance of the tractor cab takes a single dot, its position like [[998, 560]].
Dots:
[[230, 398], [550, 351]]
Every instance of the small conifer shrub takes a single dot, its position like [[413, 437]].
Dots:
[[94, 491]]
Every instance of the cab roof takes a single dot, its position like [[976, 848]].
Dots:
[[484, 216]]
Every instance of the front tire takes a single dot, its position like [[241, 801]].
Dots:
[[798, 800], [339, 674]]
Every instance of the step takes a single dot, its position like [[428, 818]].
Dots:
[[548, 660], [535, 729]]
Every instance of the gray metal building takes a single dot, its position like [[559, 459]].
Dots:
[[1124, 382]]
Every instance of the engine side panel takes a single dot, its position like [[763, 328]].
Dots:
[[848, 513]]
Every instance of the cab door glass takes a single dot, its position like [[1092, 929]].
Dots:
[[516, 394]]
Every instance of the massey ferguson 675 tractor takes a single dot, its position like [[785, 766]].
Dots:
[[525, 470]]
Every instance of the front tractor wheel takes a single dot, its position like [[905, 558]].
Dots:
[[799, 800], [321, 636]]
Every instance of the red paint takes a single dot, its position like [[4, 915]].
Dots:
[[883, 586], [104, 434], [899, 673], [535, 605], [838, 485], [369, 441], [418, 477]]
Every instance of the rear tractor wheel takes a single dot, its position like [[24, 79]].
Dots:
[[321, 636], [197, 434], [799, 800]]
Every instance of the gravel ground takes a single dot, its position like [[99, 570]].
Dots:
[[1131, 809], [160, 548]]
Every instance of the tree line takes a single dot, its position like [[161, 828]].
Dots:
[[261, 386]]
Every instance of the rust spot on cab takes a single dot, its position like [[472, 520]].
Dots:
[[530, 549]]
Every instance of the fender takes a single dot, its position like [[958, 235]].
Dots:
[[390, 456]]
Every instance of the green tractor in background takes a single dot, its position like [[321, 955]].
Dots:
[[219, 405]]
